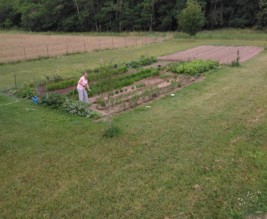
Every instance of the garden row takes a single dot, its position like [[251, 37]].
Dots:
[[105, 72]]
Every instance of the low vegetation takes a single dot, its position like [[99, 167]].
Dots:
[[194, 67], [60, 102]]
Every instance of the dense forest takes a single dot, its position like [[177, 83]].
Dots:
[[126, 15]]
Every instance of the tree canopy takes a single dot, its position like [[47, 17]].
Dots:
[[125, 15], [192, 18]]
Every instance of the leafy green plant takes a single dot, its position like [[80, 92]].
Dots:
[[194, 67], [57, 101], [76, 108], [27, 91], [143, 61], [61, 85], [52, 100]]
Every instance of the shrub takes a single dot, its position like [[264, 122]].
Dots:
[[27, 91], [57, 101], [76, 107], [52, 100]]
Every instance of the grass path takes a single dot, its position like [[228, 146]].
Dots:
[[200, 154]]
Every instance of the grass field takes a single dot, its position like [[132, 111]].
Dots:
[[200, 154], [20, 47]]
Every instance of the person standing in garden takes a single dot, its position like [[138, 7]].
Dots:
[[82, 86]]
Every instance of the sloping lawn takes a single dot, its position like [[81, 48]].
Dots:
[[200, 154]]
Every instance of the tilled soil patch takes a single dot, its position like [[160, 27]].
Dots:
[[222, 54]]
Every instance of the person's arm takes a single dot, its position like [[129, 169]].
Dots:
[[88, 87], [80, 81]]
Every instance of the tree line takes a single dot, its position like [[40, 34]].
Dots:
[[126, 15]]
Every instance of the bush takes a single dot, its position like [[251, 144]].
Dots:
[[52, 100], [57, 101], [76, 107], [194, 67], [27, 91]]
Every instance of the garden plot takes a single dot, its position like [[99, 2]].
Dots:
[[116, 88], [222, 54], [140, 92]]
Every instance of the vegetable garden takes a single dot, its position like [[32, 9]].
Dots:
[[116, 88]]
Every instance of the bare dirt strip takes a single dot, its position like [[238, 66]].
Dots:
[[222, 54]]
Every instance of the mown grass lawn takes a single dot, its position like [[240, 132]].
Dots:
[[200, 154]]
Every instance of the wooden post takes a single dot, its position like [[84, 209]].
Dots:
[[47, 51], [125, 43], [67, 47], [99, 45], [15, 80], [84, 46], [112, 43], [136, 41], [25, 57]]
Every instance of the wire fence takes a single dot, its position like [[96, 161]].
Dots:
[[27, 50]]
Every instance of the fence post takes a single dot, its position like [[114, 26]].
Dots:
[[84, 46], [136, 41], [67, 47], [112, 43], [15, 80], [25, 57], [125, 42], [99, 45], [47, 51]]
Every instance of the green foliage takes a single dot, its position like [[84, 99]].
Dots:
[[27, 91], [111, 132], [52, 100], [61, 85], [192, 18], [118, 16], [79, 108], [262, 15], [194, 67], [235, 63], [130, 79], [105, 84], [143, 61], [57, 101], [54, 78]]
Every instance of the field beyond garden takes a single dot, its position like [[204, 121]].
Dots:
[[200, 153], [21, 46]]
